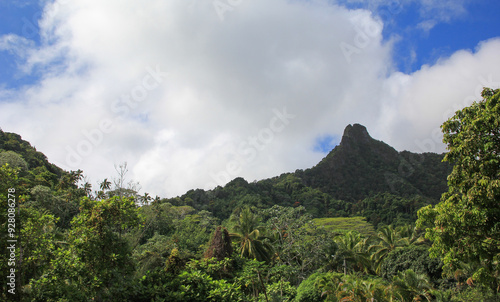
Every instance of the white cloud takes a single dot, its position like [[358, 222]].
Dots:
[[422, 101], [190, 100]]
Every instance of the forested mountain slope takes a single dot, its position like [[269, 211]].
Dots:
[[356, 176], [361, 166]]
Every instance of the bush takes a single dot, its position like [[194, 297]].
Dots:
[[412, 257], [307, 291], [476, 294], [279, 292]]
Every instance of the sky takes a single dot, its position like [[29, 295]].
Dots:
[[194, 93]]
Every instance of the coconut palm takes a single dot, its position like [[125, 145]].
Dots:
[[409, 286], [352, 248], [389, 240], [249, 235], [355, 288], [413, 235]]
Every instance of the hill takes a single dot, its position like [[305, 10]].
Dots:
[[35, 160]]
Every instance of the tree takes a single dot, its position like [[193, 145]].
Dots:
[[298, 243], [8, 200], [415, 257], [465, 225], [14, 160], [220, 245], [312, 288], [96, 263], [353, 252], [38, 243], [389, 240], [105, 185], [248, 234], [336, 287], [410, 286]]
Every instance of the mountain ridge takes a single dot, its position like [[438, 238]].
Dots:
[[354, 175]]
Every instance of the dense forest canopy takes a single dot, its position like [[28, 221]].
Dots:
[[367, 223]]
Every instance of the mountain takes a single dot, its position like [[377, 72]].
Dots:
[[361, 176], [361, 166]]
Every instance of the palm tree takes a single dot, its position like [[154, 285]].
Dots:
[[87, 187], [105, 185], [413, 235], [146, 198], [352, 249], [247, 233], [410, 286], [338, 287], [330, 285], [389, 240], [373, 290]]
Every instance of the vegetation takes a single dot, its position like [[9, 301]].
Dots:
[[465, 226], [345, 224], [344, 230]]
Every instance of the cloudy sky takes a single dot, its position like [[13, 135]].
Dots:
[[193, 93]]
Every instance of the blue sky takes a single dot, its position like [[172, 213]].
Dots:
[[462, 27], [22, 20], [192, 96], [478, 23], [326, 143]]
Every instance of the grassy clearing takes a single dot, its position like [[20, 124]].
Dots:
[[345, 224]]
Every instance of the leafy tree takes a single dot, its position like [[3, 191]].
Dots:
[[411, 257], [158, 219], [465, 225], [14, 160], [309, 291], [8, 185], [43, 198], [38, 243], [247, 233], [298, 243], [192, 233], [152, 254], [96, 263], [281, 291], [251, 277]]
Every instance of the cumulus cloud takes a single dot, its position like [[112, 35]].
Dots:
[[191, 99], [420, 102]]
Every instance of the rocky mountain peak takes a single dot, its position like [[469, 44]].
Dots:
[[355, 133]]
